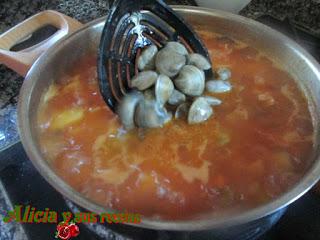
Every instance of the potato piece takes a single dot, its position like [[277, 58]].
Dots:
[[223, 138], [267, 99], [239, 113], [190, 174], [295, 137], [256, 168], [114, 176], [53, 145], [147, 183], [227, 196], [67, 117], [51, 92], [283, 161], [73, 86]]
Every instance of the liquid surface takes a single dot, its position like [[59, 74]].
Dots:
[[254, 148]]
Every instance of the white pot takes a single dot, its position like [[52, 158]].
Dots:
[[227, 5]]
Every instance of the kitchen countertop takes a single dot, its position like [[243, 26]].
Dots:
[[304, 13]]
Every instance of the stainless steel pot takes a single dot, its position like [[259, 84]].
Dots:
[[64, 55]]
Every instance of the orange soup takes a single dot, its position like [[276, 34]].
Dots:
[[255, 147]]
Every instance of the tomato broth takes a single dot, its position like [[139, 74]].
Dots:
[[256, 146]]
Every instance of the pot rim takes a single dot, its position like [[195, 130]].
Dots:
[[210, 221]]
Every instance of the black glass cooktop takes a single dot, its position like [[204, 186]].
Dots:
[[25, 186]]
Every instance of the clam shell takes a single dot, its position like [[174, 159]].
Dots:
[[199, 61], [169, 62], [127, 107], [168, 117], [224, 73], [149, 114], [200, 111], [218, 86], [177, 47], [212, 100], [191, 81], [176, 98], [144, 80], [182, 111], [146, 60], [149, 94], [163, 89]]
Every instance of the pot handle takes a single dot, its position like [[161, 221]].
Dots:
[[22, 61]]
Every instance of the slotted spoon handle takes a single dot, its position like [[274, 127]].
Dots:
[[130, 26]]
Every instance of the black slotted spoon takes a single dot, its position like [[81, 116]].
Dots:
[[130, 26]]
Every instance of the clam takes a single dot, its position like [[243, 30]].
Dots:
[[191, 81], [199, 61], [218, 86], [149, 94], [144, 80], [163, 89], [177, 47], [149, 114], [146, 60], [176, 98], [224, 73], [212, 100], [127, 107], [182, 111], [168, 117], [200, 111], [169, 62]]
